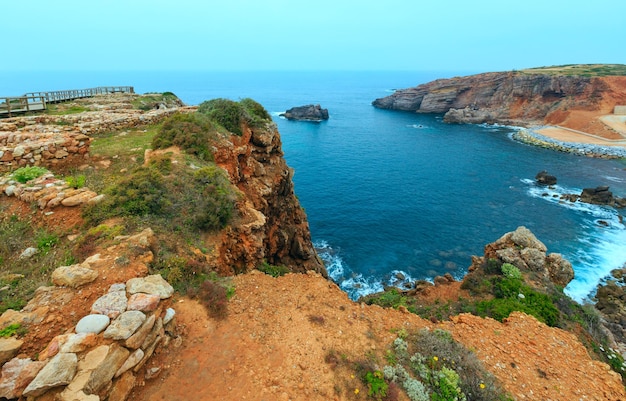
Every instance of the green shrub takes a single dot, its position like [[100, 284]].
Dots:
[[255, 109], [272, 270], [76, 182], [190, 132], [376, 384], [391, 298], [232, 115], [142, 192], [227, 113], [511, 271], [45, 241], [10, 330], [25, 174]]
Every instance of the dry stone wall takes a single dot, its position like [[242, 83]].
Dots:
[[53, 141], [104, 355]]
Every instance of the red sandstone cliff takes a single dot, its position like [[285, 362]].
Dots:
[[516, 98], [273, 226]]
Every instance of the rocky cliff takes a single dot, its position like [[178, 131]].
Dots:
[[273, 225], [516, 98]]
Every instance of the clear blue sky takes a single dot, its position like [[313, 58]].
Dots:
[[309, 35]]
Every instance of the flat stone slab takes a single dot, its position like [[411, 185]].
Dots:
[[154, 284]]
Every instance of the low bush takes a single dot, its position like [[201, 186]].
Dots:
[[232, 115], [214, 298], [272, 270], [391, 298], [511, 271], [190, 132], [25, 174]]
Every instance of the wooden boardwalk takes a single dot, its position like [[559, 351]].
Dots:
[[35, 101]]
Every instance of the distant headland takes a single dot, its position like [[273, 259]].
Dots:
[[580, 103]]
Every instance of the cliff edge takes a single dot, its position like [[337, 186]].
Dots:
[[523, 98]]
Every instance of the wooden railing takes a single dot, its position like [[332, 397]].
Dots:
[[34, 101]]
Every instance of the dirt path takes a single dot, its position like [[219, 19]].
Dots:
[[568, 135], [279, 335]]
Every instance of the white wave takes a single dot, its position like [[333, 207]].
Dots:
[[418, 126], [277, 114], [355, 284], [600, 249], [614, 179]]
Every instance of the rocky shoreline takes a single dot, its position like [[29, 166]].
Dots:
[[530, 136]]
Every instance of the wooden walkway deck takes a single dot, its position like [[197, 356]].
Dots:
[[35, 101]]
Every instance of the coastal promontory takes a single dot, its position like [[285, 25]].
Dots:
[[569, 96]]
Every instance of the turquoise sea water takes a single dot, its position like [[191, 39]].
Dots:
[[388, 192]]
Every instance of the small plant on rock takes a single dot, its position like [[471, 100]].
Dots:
[[25, 174]]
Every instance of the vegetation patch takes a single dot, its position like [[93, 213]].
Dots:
[[25, 174], [190, 132], [430, 365], [273, 270], [232, 115], [585, 70]]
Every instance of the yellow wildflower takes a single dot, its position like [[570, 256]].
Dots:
[[435, 358], [356, 391], [482, 385]]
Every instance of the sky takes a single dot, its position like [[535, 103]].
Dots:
[[229, 35]]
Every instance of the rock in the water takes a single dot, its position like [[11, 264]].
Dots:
[[544, 178], [58, 372], [154, 284], [111, 304], [9, 347], [306, 113], [597, 196], [125, 325], [94, 323], [73, 276], [16, 374]]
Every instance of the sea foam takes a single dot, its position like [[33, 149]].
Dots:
[[600, 249]]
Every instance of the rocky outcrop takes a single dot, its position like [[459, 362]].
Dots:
[[273, 226], [522, 249], [306, 113], [515, 98], [543, 178], [596, 196]]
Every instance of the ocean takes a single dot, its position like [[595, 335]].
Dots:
[[395, 196]]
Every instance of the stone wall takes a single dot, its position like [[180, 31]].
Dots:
[[104, 352], [56, 141]]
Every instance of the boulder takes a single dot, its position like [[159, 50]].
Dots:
[[543, 178], [306, 113], [58, 372], [154, 284], [9, 347], [73, 276]]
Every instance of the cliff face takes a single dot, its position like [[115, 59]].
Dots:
[[509, 97], [273, 226]]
